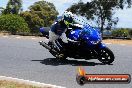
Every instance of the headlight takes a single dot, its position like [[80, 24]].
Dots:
[[95, 42]]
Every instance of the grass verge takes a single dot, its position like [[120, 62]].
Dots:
[[10, 84], [118, 41]]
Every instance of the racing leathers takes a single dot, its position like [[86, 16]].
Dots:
[[58, 30]]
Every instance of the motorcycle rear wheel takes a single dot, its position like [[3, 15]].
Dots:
[[106, 56]]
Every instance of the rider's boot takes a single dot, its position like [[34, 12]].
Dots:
[[50, 44]]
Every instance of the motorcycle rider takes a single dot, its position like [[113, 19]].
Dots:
[[59, 28]]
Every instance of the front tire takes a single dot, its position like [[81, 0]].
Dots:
[[106, 56]]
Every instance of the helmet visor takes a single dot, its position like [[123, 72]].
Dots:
[[68, 19]]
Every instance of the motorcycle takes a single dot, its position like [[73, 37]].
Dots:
[[88, 45]]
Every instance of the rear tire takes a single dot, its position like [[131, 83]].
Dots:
[[106, 56]]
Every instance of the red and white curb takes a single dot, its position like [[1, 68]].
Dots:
[[32, 83]]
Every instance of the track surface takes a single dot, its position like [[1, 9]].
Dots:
[[25, 58]]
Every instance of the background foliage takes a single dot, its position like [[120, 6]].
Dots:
[[43, 13], [13, 23], [40, 14], [100, 11], [123, 32], [13, 7]]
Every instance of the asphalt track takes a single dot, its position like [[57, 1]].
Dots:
[[25, 58]]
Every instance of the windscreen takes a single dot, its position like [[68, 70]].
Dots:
[[80, 20]]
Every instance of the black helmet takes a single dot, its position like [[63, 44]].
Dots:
[[67, 17]]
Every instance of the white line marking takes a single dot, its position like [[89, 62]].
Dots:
[[47, 39], [108, 43], [5, 36], [18, 37], [33, 83], [33, 38], [122, 44]]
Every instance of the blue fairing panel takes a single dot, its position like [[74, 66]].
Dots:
[[41, 29], [44, 30], [102, 45], [74, 35]]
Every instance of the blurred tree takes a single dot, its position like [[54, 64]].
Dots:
[[13, 23], [122, 3], [121, 33], [33, 20], [130, 32], [13, 7], [40, 14], [1, 10], [45, 10], [101, 11]]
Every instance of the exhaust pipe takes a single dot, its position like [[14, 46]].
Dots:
[[47, 47]]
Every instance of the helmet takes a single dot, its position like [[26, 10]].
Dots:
[[67, 17]]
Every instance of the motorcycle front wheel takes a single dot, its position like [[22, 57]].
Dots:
[[106, 56]]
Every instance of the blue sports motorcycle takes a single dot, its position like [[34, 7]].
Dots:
[[88, 45]]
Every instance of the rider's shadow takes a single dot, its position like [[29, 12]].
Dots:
[[55, 62]]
